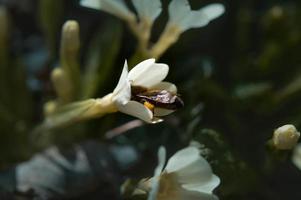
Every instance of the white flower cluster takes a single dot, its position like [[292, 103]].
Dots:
[[180, 12], [181, 18]]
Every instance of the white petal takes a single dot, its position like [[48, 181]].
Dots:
[[156, 120], [203, 16], [195, 19], [296, 158], [181, 14], [149, 9], [213, 11], [165, 86], [122, 92], [189, 167], [156, 179], [91, 4], [161, 160], [191, 195], [114, 7], [138, 110], [204, 186], [159, 112], [178, 10], [148, 73]]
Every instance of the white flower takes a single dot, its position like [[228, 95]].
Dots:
[[146, 74], [148, 9], [187, 176], [114, 7], [181, 15], [296, 158], [286, 137]]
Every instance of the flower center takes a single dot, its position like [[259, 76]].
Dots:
[[152, 98]]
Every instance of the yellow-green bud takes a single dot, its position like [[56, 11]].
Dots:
[[50, 107], [286, 137], [70, 36], [61, 85]]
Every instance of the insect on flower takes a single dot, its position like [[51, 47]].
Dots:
[[142, 93], [152, 98]]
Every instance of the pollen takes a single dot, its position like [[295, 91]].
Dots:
[[149, 105]]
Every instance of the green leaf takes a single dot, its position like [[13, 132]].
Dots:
[[50, 16]]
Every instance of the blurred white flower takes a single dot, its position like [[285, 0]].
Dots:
[[148, 10], [114, 7], [296, 158], [148, 75], [181, 15], [286, 137], [187, 176]]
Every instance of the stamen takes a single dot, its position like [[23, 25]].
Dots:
[[149, 105]]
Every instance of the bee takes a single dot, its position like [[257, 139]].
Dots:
[[156, 98]]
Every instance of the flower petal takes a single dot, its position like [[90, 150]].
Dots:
[[204, 16], [156, 179], [189, 167], [122, 92], [165, 86], [148, 73], [296, 158], [114, 7], [192, 195], [178, 10], [95, 4], [138, 110], [181, 14], [204, 186], [148, 9], [159, 112], [213, 11]]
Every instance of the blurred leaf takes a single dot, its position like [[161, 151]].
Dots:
[[50, 16], [251, 90], [4, 52], [291, 88], [66, 173], [101, 57], [20, 92]]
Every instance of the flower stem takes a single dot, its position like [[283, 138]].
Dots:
[[169, 36], [142, 31], [77, 112]]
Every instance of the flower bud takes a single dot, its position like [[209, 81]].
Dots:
[[70, 44], [286, 137], [70, 36], [50, 107], [62, 85]]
